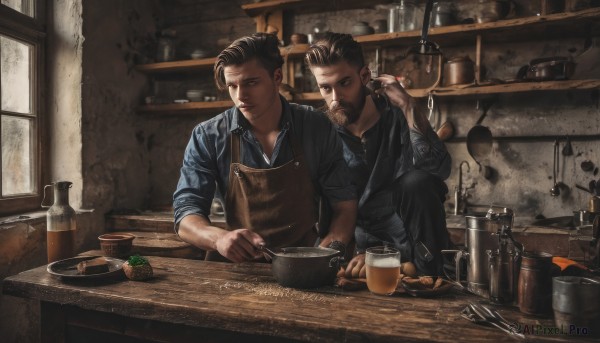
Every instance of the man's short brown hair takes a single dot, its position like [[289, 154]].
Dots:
[[263, 47], [332, 48]]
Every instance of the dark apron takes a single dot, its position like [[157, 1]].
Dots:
[[276, 203]]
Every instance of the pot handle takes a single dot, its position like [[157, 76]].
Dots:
[[460, 254], [336, 261], [266, 250]]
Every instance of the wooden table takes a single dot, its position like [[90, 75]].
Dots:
[[192, 300]]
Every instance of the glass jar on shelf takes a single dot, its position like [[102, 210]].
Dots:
[[165, 48]]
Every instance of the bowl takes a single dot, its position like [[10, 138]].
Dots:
[[116, 244], [195, 94], [362, 28]]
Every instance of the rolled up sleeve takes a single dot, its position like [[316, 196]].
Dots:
[[196, 186], [430, 153]]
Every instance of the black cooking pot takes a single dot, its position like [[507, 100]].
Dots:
[[305, 267]]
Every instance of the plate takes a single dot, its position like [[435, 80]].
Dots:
[[428, 293], [68, 268]]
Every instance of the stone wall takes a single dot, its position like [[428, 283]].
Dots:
[[525, 125]]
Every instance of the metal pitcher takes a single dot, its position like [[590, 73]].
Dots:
[[491, 232]]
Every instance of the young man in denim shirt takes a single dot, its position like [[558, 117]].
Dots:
[[272, 161]]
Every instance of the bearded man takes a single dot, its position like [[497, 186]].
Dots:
[[396, 160]]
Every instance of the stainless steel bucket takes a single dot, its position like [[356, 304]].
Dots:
[[576, 303]]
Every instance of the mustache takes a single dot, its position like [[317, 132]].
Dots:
[[342, 113]]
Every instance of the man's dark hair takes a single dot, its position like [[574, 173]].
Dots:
[[261, 46], [331, 48]]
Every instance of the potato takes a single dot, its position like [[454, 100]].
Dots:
[[408, 269], [363, 272], [414, 283], [356, 271], [426, 281], [438, 283]]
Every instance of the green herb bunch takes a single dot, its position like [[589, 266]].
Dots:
[[137, 260]]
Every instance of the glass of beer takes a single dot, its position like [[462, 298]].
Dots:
[[383, 269]]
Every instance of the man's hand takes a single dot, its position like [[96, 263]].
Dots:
[[395, 92], [400, 98], [240, 245], [356, 268]]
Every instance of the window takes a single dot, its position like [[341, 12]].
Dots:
[[21, 104]]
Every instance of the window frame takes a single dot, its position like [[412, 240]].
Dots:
[[31, 30]]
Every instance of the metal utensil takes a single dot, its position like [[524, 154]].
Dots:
[[486, 315], [266, 250], [501, 320], [555, 190], [479, 141], [583, 189]]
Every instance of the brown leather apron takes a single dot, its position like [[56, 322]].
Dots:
[[277, 203]]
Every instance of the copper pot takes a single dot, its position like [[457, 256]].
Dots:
[[550, 68], [459, 71]]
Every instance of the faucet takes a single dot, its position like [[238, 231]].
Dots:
[[460, 203]]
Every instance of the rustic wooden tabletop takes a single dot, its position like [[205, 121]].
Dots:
[[245, 298]]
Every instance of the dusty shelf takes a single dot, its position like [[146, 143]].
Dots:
[[206, 63], [520, 87], [552, 26], [211, 107], [177, 66], [215, 107], [510, 88], [307, 6]]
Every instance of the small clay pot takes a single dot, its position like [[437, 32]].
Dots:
[[116, 244]]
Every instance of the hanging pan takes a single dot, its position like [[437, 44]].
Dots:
[[479, 142]]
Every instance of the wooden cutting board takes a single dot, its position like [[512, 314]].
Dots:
[[160, 244]]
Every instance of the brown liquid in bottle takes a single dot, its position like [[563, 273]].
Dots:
[[60, 245]]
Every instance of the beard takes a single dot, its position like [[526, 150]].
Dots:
[[345, 113]]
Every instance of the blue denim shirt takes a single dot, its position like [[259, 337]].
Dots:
[[207, 157], [382, 155]]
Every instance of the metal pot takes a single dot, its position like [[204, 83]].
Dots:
[[575, 301], [492, 10], [305, 267], [459, 71], [545, 69]]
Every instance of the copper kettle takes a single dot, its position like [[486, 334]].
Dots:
[[459, 71]]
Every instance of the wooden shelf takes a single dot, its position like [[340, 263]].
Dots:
[[520, 87], [296, 50], [553, 26], [483, 90], [307, 6], [212, 107], [216, 107], [177, 66]]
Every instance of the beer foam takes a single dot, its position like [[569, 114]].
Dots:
[[386, 262]]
